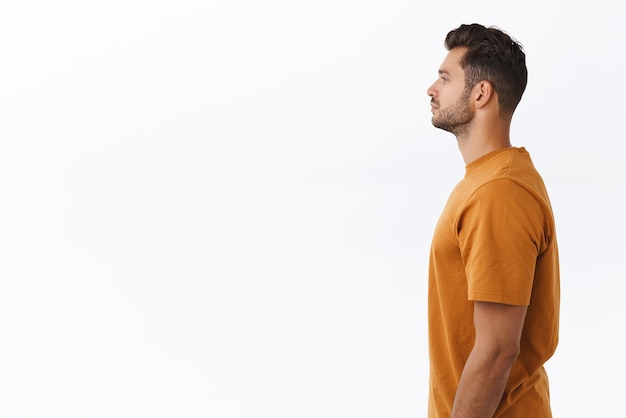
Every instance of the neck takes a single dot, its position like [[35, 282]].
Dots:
[[483, 138]]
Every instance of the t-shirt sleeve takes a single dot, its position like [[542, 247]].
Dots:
[[501, 231]]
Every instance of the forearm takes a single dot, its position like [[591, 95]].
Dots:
[[481, 385]]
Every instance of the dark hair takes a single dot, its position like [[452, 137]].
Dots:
[[494, 56]]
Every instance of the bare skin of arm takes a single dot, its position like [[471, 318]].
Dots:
[[498, 332]]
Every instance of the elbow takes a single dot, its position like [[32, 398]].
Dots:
[[499, 355], [507, 354]]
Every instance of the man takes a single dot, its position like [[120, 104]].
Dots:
[[494, 274]]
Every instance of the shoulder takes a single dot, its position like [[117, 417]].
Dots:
[[505, 196], [506, 208]]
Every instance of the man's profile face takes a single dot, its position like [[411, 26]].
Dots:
[[449, 97]]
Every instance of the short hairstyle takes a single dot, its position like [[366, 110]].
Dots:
[[494, 56]]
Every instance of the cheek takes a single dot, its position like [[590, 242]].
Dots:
[[444, 97], [449, 95]]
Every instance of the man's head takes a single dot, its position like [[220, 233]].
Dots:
[[478, 55], [494, 56]]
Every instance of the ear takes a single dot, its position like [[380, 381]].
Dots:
[[483, 94]]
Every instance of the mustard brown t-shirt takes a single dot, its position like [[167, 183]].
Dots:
[[495, 242]]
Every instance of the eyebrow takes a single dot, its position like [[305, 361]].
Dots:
[[444, 72]]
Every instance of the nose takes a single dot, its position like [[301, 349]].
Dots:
[[431, 90]]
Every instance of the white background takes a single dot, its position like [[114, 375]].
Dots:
[[224, 209]]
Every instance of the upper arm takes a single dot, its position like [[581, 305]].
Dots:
[[501, 232], [498, 327]]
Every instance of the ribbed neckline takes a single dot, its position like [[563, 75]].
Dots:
[[484, 158]]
